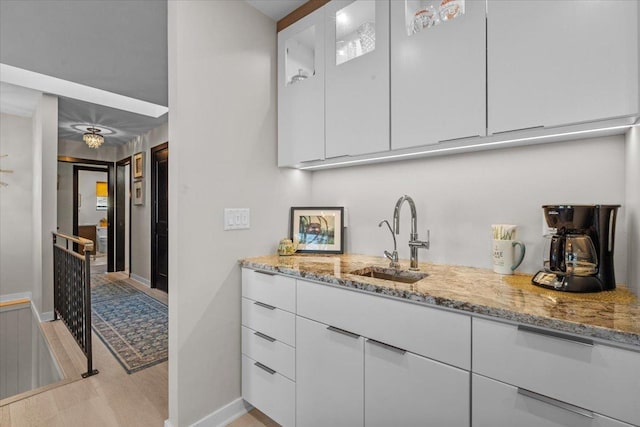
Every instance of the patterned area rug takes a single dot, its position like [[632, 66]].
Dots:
[[133, 325]]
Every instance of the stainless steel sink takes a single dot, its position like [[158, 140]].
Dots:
[[404, 276]]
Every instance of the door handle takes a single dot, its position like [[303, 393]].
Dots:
[[554, 402], [387, 346], [343, 332], [266, 273], [556, 335]]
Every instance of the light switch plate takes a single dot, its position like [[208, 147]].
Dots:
[[237, 218]]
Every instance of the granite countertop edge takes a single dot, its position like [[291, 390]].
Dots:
[[612, 336]]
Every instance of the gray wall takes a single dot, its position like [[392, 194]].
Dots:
[[458, 197], [16, 205], [222, 57]]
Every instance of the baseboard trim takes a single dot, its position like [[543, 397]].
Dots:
[[46, 316], [167, 423], [225, 415], [140, 279]]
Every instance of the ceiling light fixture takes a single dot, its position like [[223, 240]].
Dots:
[[93, 137]]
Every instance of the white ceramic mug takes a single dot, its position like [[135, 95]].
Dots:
[[504, 255]]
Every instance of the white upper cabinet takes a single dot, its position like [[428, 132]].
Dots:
[[438, 71], [301, 83], [559, 62], [357, 77]]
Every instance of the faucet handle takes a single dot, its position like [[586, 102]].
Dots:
[[393, 257], [420, 244]]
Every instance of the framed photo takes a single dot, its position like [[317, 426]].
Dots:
[[138, 193], [318, 230], [138, 165]]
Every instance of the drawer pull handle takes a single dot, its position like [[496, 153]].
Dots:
[[265, 368], [557, 335], [343, 332], [518, 130], [264, 337], [267, 306], [458, 139], [387, 346], [266, 273], [557, 403]]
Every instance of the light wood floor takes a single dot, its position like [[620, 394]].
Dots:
[[111, 398]]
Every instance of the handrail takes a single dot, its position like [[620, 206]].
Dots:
[[72, 292], [88, 244]]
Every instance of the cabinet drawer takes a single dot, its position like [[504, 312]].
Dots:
[[596, 377], [269, 288], [437, 334], [271, 393], [269, 351], [495, 404], [276, 323]]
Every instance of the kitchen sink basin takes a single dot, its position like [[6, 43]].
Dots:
[[404, 276]]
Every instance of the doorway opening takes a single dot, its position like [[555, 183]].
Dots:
[[86, 206], [160, 217], [123, 216]]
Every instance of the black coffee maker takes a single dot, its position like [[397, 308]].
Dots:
[[578, 256]]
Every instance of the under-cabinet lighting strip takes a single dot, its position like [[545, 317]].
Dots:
[[55, 86], [460, 148]]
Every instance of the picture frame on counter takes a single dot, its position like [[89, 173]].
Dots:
[[317, 230], [138, 193], [138, 165]]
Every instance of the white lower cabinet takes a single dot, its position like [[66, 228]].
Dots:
[[338, 357], [269, 391], [496, 404], [404, 389], [329, 376], [567, 368]]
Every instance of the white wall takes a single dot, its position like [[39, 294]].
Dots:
[[458, 197], [45, 167], [633, 206], [16, 205], [222, 68], [87, 213]]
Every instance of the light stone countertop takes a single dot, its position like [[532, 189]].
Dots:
[[612, 315]]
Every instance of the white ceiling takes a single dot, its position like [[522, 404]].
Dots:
[[276, 9]]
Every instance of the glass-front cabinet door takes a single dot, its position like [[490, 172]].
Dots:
[[357, 77], [438, 71], [301, 83]]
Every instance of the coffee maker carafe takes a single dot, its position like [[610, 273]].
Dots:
[[578, 255]]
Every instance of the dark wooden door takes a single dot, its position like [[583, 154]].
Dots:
[[123, 190], [160, 217]]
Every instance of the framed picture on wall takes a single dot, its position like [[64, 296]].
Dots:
[[318, 230], [138, 193], [138, 165]]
